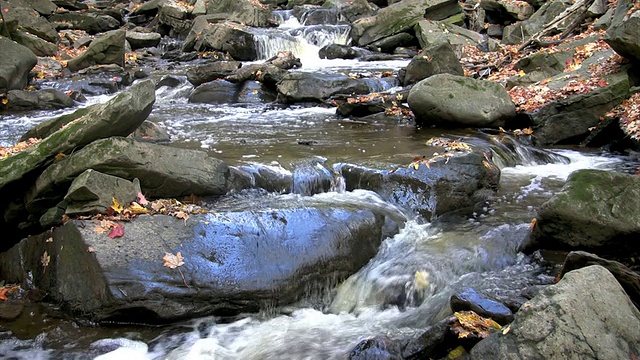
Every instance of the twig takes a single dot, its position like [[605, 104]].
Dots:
[[183, 279]]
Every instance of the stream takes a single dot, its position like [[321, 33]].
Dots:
[[401, 291]]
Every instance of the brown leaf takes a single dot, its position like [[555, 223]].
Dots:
[[173, 261], [142, 200], [182, 215], [45, 259]]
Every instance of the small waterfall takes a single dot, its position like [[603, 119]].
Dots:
[[509, 152], [303, 41]]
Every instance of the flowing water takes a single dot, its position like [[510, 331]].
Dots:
[[401, 291]]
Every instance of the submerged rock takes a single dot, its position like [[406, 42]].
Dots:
[[234, 261]]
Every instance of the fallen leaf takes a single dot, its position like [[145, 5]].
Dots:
[[3, 292], [50, 239], [45, 259], [533, 223], [91, 249], [117, 207], [182, 215], [138, 209], [116, 231], [173, 261], [142, 200], [60, 156]]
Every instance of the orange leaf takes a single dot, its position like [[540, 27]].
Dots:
[[3, 292]]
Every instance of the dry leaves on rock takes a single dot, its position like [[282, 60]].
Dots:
[[468, 323], [175, 262], [8, 151], [8, 290]]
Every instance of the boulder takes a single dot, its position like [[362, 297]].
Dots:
[[163, 171], [38, 100], [119, 116], [212, 71], [237, 40], [401, 17], [107, 49], [568, 120], [520, 32], [628, 279], [30, 21], [437, 58], [138, 39], [356, 9], [270, 253], [250, 13], [586, 315], [48, 127], [269, 75], [624, 33], [174, 15], [302, 86], [458, 101], [508, 10], [43, 7], [92, 23], [152, 132], [15, 63], [455, 183], [596, 211], [92, 192], [338, 51], [37, 45], [431, 32], [73, 5], [215, 92]]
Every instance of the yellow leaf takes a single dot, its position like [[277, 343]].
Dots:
[[60, 156], [117, 207], [521, 73], [417, 165], [506, 329], [45, 259], [533, 223], [138, 209], [5, 101]]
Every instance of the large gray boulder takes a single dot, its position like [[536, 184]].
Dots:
[[163, 171], [212, 71], [38, 100], [436, 58], [139, 39], [587, 315], [15, 63], [521, 32], [250, 13], [401, 17], [624, 33], [235, 39], [270, 253], [430, 32], [39, 46], [458, 101], [597, 211], [109, 48], [92, 192], [117, 117]]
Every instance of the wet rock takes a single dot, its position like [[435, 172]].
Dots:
[[92, 192], [163, 171], [436, 58], [506, 10], [216, 70], [246, 12], [457, 101], [357, 9], [43, 7], [284, 60], [315, 15], [73, 5], [270, 178], [256, 93], [434, 343], [587, 315], [107, 49], [451, 184], [15, 63], [229, 37], [337, 51], [215, 92], [375, 105], [624, 32], [628, 279], [169, 81], [377, 348], [138, 39], [240, 260], [175, 17], [469, 299], [595, 211], [513, 34], [11, 309], [401, 17], [92, 23], [390, 43], [302, 86], [38, 100], [269, 75]]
